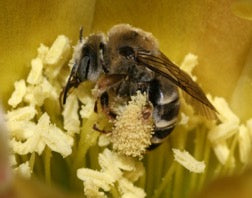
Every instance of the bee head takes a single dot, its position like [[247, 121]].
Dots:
[[88, 63]]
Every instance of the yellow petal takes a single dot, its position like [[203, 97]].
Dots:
[[24, 24], [242, 96], [243, 9]]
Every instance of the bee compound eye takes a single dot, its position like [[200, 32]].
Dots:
[[102, 46], [126, 51], [83, 69]]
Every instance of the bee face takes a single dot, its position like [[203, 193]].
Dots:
[[90, 60], [87, 62]]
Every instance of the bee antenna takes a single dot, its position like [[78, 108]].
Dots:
[[71, 82], [65, 93], [81, 34]]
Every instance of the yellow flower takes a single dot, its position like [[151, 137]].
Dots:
[[209, 29]]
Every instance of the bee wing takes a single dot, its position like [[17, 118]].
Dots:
[[162, 65]]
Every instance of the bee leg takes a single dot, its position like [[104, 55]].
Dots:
[[147, 111], [143, 87], [100, 92], [165, 99], [95, 127], [106, 82], [104, 100], [81, 34], [96, 107]]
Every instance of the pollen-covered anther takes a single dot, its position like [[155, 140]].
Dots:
[[117, 171], [42, 52], [70, 115], [36, 95], [22, 114], [222, 152], [57, 56], [244, 144], [129, 190], [35, 75], [24, 170], [188, 161], [87, 108], [188, 64], [18, 94], [133, 127], [229, 122]]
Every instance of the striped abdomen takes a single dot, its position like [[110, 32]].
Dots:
[[165, 99]]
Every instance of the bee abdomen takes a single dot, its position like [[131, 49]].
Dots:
[[166, 109]]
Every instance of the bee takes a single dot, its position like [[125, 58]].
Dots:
[[127, 60]]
